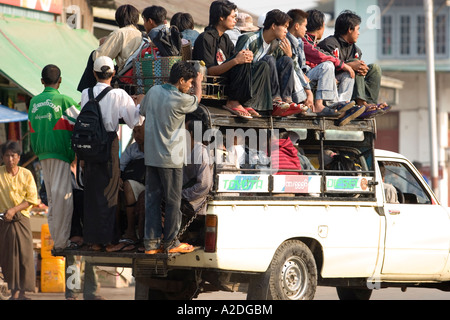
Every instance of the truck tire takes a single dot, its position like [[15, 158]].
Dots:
[[292, 275], [346, 293]]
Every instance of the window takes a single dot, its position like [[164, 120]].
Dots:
[[421, 49], [387, 35], [403, 33], [409, 188], [441, 34]]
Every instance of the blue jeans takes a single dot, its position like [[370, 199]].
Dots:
[[345, 86], [162, 183], [323, 74]]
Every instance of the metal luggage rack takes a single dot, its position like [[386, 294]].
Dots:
[[213, 88]]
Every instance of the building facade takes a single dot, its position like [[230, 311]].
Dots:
[[393, 35]]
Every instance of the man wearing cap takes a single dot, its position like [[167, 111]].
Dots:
[[244, 23], [101, 181], [51, 118]]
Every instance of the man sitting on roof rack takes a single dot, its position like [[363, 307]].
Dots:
[[269, 46], [215, 48]]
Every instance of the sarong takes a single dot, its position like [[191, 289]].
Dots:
[[16, 253], [101, 189]]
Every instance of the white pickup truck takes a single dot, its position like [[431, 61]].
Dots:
[[279, 236]]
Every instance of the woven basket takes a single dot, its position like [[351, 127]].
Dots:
[[152, 71]]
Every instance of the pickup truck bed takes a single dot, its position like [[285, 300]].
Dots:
[[278, 241]]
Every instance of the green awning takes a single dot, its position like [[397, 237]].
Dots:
[[27, 45]]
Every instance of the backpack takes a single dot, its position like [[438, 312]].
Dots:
[[89, 138], [168, 42], [343, 163]]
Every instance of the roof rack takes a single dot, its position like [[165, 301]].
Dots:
[[214, 115]]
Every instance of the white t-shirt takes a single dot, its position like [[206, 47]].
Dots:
[[117, 104]]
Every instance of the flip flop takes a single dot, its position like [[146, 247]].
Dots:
[[123, 245], [386, 107], [351, 114], [74, 246], [369, 114], [182, 248], [342, 106], [327, 112], [252, 112], [96, 247], [239, 112], [153, 251]]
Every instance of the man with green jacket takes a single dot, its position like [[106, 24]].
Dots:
[[51, 118]]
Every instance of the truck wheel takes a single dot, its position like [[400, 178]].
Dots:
[[292, 275], [345, 293]]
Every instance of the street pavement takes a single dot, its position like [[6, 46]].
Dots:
[[323, 293]]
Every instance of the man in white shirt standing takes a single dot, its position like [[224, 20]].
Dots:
[[101, 180]]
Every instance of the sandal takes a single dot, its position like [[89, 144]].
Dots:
[[342, 106], [252, 112], [384, 107], [242, 113], [153, 251], [327, 112], [182, 248], [74, 245], [96, 247], [123, 245]]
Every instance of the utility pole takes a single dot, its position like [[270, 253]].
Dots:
[[431, 81]]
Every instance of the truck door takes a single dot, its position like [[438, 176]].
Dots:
[[417, 227]]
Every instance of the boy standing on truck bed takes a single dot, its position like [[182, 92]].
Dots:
[[51, 119], [165, 107]]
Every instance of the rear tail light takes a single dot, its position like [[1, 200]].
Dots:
[[211, 233]]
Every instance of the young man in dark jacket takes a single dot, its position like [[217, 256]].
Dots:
[[343, 46], [249, 84]]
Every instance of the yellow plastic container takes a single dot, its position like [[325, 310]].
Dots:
[[53, 275], [46, 242]]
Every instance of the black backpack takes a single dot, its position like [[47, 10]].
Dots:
[[89, 138], [343, 163], [168, 42]]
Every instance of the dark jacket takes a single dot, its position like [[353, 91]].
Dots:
[[340, 48], [212, 48]]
